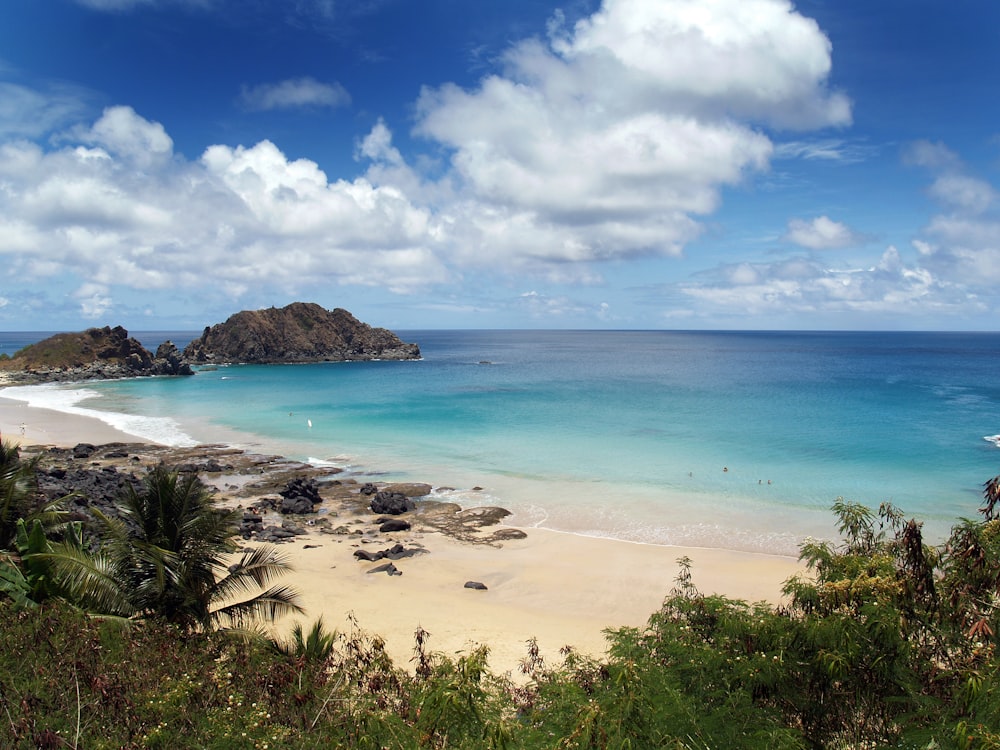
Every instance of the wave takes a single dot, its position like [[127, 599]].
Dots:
[[162, 430]]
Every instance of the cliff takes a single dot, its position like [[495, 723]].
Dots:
[[300, 332], [97, 353]]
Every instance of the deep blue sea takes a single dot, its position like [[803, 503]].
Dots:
[[740, 440]]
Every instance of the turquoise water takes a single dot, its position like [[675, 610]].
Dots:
[[739, 440]]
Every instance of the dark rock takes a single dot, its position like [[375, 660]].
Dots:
[[391, 503], [97, 353], [300, 332], [368, 489], [387, 568], [394, 525], [83, 450], [275, 535], [300, 496], [476, 585], [267, 504], [170, 361], [251, 524], [296, 505], [304, 488], [396, 552]]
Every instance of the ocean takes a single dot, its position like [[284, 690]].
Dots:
[[740, 440]]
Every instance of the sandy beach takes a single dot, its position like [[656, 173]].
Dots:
[[560, 589]]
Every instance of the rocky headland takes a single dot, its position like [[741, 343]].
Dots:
[[95, 354], [300, 332]]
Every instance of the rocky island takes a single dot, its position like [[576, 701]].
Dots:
[[300, 332], [95, 354]]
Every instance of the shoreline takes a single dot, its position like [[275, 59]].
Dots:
[[557, 587]]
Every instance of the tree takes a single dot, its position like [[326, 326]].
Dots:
[[168, 557], [19, 496]]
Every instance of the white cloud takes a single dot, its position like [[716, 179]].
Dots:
[[757, 59], [821, 233], [610, 141], [295, 93], [963, 193], [802, 287], [962, 241], [931, 155], [28, 113], [598, 145], [126, 211], [125, 134], [94, 300], [826, 149]]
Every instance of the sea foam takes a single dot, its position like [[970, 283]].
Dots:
[[163, 430]]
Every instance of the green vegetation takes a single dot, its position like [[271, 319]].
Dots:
[[60, 350], [165, 557], [888, 642]]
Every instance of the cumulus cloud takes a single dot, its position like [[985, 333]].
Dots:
[[756, 59], [114, 206], [610, 140], [124, 133], [294, 93], [821, 233], [597, 143]]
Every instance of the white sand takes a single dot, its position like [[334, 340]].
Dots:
[[559, 588], [20, 423]]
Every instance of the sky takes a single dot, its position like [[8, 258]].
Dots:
[[625, 164]]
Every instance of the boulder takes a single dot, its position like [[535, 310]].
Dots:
[[296, 505], [83, 450], [396, 552], [394, 525], [476, 585], [391, 503], [387, 568], [300, 496]]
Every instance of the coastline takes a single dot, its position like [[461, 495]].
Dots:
[[559, 588]]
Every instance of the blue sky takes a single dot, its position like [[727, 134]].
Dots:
[[830, 164]]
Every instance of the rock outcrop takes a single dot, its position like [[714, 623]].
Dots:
[[94, 354], [300, 332]]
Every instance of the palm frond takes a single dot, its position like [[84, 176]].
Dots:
[[270, 605], [92, 582]]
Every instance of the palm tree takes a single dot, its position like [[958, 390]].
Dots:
[[166, 556], [19, 496]]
